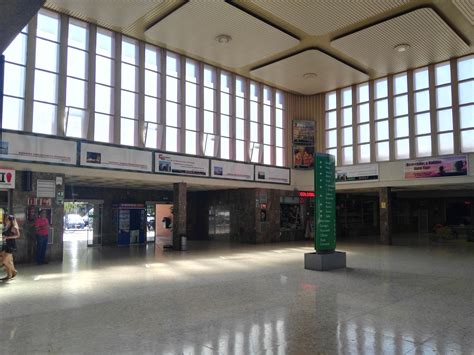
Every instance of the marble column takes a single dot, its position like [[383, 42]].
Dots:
[[179, 213], [385, 208]]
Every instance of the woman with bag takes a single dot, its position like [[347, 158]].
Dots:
[[10, 234]]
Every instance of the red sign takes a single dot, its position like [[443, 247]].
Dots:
[[306, 194]]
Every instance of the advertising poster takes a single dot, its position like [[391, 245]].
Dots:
[[183, 165], [7, 178], [232, 170], [303, 157], [106, 157], [272, 175], [37, 149], [361, 172], [303, 132], [455, 165]]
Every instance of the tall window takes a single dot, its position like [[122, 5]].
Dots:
[[225, 121], [240, 118], [192, 106], [104, 86], [268, 124], [444, 112], [422, 113], [466, 102], [75, 124], [254, 146], [400, 109], [363, 123], [153, 129], [173, 102], [129, 92], [346, 126], [280, 128], [381, 120], [14, 82], [331, 123], [46, 71], [209, 125]]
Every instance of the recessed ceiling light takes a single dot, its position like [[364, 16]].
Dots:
[[223, 39], [403, 47], [310, 75]]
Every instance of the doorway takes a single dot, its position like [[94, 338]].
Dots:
[[83, 222], [164, 224]]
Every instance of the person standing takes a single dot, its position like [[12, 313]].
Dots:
[[10, 234], [42, 231]]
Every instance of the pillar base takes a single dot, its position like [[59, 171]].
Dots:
[[324, 262]]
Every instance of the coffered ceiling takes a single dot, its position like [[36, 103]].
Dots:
[[279, 41]]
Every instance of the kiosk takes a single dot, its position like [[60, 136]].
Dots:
[[130, 223]]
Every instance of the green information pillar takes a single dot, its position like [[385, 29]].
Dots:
[[325, 201]]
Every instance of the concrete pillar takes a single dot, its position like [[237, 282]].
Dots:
[[179, 213], [385, 208]]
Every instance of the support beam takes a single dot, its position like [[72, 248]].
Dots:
[[385, 208], [179, 213]]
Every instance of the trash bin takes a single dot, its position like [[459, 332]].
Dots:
[[184, 241]]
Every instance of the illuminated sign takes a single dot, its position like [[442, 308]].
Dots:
[[306, 194]]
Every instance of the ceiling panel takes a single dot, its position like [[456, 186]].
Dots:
[[289, 73], [467, 8], [193, 28], [324, 16], [430, 38]]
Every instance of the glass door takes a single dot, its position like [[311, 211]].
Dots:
[[94, 229]]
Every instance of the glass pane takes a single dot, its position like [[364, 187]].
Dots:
[[347, 156], [381, 89], [48, 25], [279, 142], [364, 153], [331, 119], [445, 143], [151, 109], [239, 150], [267, 134], [44, 118], [239, 107], [172, 114], [171, 139], [102, 128], [47, 93], [421, 79], [364, 133], [400, 83], [267, 96], [129, 77], [381, 109], [172, 64], [76, 93], [103, 70], [239, 87], [423, 146], [225, 103], [443, 96], [363, 115], [152, 58], [466, 118], [103, 99], [16, 51], [331, 102], [267, 154], [225, 126], [74, 123], [346, 97], [128, 104], [333, 152], [191, 118], [209, 99], [422, 101], [466, 68], [76, 63], [363, 92], [279, 118], [267, 114], [279, 157], [279, 99], [331, 138], [225, 148], [402, 149], [445, 120], [209, 76], [191, 94], [172, 89], [77, 34], [347, 116], [151, 83], [47, 54], [191, 71], [466, 92], [128, 131], [254, 95], [401, 105], [254, 132], [442, 73], [12, 113], [129, 51], [383, 151], [422, 124], [381, 130], [347, 136], [401, 127], [14, 80], [239, 129], [225, 82], [104, 43], [253, 111], [150, 135], [467, 141], [208, 122], [208, 142], [191, 142]]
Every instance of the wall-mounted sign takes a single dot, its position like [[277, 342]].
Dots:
[[456, 165], [44, 202], [179, 164], [7, 178], [232, 170], [306, 194], [45, 188], [361, 172], [107, 157], [38, 149], [270, 174], [303, 132], [303, 157]]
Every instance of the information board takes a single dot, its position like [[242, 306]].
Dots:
[[325, 201]]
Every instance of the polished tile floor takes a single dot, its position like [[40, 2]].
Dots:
[[244, 299]]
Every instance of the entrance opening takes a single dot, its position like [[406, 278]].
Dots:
[[219, 223], [163, 224], [83, 223]]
